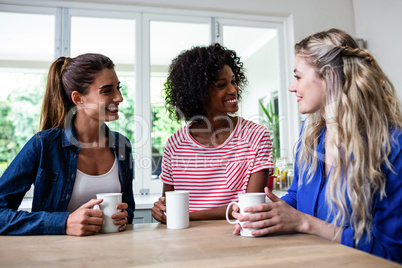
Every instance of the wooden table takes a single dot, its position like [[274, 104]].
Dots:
[[204, 244]]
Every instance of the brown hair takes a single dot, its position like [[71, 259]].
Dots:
[[65, 76]]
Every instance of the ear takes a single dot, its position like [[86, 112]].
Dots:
[[76, 97]]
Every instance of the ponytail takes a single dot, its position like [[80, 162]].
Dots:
[[56, 103]]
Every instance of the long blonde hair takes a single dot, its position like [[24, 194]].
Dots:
[[361, 107]]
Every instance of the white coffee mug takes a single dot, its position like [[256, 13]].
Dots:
[[108, 206], [177, 209], [245, 200]]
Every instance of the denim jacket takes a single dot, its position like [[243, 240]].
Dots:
[[49, 162]]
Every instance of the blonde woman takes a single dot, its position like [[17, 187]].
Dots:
[[348, 171]]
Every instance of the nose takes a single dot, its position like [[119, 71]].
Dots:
[[292, 86], [118, 97], [233, 89]]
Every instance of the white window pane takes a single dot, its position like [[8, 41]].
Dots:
[[112, 37], [258, 51], [168, 39], [25, 56], [19, 43]]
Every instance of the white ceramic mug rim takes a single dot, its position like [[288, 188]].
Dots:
[[177, 192], [109, 194]]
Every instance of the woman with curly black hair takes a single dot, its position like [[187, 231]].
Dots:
[[217, 155]]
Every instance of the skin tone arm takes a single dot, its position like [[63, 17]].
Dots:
[[257, 182], [279, 217], [88, 221]]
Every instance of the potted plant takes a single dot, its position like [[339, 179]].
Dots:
[[271, 121]]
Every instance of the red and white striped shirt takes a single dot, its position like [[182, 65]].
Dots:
[[215, 175]]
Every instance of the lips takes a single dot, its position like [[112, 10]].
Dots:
[[112, 109], [233, 101]]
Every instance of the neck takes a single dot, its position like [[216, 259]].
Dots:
[[89, 132], [217, 125]]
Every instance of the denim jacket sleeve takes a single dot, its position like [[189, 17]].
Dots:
[[126, 170], [14, 183]]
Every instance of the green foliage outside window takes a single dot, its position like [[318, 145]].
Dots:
[[20, 112]]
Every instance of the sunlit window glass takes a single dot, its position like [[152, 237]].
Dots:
[[25, 57], [168, 39], [114, 38]]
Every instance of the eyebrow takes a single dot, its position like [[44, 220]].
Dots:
[[111, 85], [105, 86], [224, 78]]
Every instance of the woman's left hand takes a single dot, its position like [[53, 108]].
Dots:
[[121, 217], [272, 217]]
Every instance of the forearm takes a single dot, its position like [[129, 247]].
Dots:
[[32, 223], [313, 225], [209, 214]]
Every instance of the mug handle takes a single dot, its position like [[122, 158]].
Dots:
[[227, 213]]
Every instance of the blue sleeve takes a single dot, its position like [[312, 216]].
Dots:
[[14, 183], [386, 232]]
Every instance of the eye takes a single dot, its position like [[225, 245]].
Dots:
[[297, 77], [220, 85], [233, 82]]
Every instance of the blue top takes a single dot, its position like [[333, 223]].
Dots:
[[49, 161], [386, 232]]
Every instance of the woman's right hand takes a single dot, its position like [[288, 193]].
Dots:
[[85, 220], [159, 209]]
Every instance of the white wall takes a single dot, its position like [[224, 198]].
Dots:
[[380, 23]]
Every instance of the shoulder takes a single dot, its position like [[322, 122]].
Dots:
[[53, 135], [250, 129], [396, 143], [179, 136]]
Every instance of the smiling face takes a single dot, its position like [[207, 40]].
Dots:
[[223, 94], [308, 87], [103, 98]]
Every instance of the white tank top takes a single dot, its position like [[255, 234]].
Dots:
[[87, 186]]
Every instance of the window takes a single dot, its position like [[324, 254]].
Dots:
[[25, 57], [168, 36], [142, 45]]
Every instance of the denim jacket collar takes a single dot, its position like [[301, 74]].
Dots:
[[70, 137]]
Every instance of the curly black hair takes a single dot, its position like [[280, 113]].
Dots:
[[192, 73]]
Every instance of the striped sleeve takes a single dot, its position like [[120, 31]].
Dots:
[[166, 175], [263, 156]]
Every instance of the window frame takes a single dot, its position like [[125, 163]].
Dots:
[[63, 10]]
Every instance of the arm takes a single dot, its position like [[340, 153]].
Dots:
[[159, 208], [15, 182], [279, 217], [386, 231], [127, 186]]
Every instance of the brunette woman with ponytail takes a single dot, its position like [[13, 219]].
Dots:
[[73, 157], [348, 170]]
